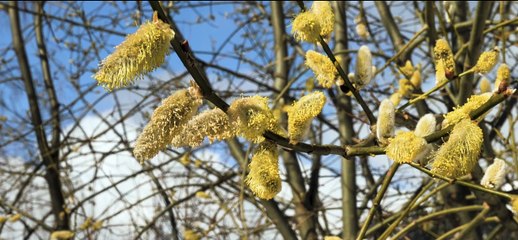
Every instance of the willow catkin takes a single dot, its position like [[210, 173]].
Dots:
[[503, 75], [405, 147], [386, 121], [443, 54], [363, 71], [485, 85], [302, 113], [62, 235], [462, 112], [323, 68], [306, 27], [325, 16], [405, 88], [494, 176], [459, 154], [252, 117], [166, 122], [213, 124], [426, 125], [395, 98], [486, 61], [264, 179], [140, 53]]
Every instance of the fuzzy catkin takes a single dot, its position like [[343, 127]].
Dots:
[[405, 147], [460, 113], [485, 85], [302, 113], [324, 69], [386, 121], [252, 117], [443, 54], [213, 124], [486, 61], [494, 176], [363, 71], [62, 235], [325, 16], [306, 27], [166, 122], [264, 179], [140, 53], [425, 126], [459, 154], [502, 78]]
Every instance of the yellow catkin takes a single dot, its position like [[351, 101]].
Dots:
[[251, 117], [405, 87], [15, 217], [405, 147], [332, 238], [97, 225], [386, 121], [213, 124], [202, 194], [458, 156], [443, 54], [302, 113], [3, 219], [264, 179], [86, 224], [503, 75], [166, 122], [486, 61], [440, 74], [323, 68], [362, 31], [189, 234], [62, 235], [325, 16], [460, 113], [306, 27], [494, 176], [363, 71], [408, 69], [395, 98], [485, 85], [140, 53], [185, 159], [415, 79], [425, 126]]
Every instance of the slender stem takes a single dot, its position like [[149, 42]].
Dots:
[[376, 202]]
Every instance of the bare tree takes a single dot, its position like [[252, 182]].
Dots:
[[67, 145]]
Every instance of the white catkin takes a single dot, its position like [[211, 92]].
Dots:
[[494, 176], [386, 121], [363, 72], [425, 126]]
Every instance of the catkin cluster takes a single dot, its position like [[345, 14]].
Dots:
[[140, 53], [264, 179], [166, 122], [503, 75]]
